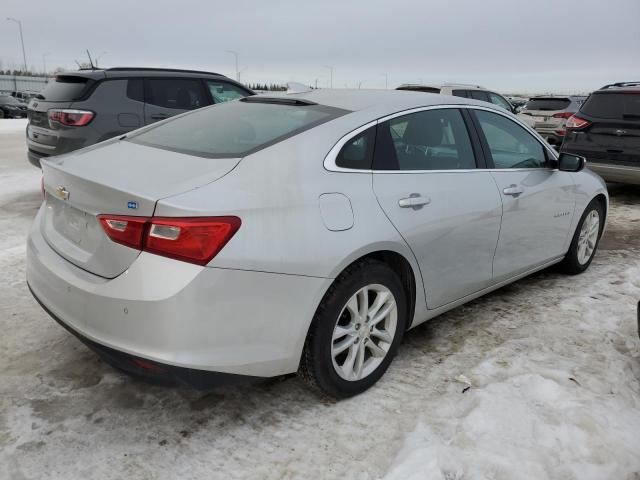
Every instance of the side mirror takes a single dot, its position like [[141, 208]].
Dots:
[[568, 162]]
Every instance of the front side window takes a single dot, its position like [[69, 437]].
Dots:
[[510, 145], [224, 92], [428, 140], [499, 101], [176, 93]]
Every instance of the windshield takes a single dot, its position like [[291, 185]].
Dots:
[[613, 105], [547, 104], [7, 100], [235, 128], [65, 88]]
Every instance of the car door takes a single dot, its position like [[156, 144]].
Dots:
[[166, 97], [538, 200], [428, 183]]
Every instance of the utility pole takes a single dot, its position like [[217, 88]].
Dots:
[[386, 81], [44, 62], [24, 55], [235, 54], [330, 75]]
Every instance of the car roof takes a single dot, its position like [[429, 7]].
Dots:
[[620, 87], [381, 102], [126, 72]]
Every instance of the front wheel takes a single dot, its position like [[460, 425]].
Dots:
[[585, 239], [356, 330]]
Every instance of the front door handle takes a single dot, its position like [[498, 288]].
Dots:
[[414, 201], [513, 190], [160, 116]]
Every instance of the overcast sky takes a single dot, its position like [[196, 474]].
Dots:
[[508, 45]]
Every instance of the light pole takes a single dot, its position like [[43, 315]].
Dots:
[[235, 54], [330, 75], [24, 55], [386, 81], [44, 62]]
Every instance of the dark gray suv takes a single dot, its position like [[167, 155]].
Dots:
[[81, 108]]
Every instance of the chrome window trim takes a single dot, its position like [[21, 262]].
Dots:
[[330, 158]]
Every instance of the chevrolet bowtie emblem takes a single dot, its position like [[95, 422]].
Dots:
[[62, 192]]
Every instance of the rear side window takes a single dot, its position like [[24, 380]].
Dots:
[[235, 129], [65, 88], [135, 89], [357, 153], [478, 95], [224, 92], [621, 106], [176, 93], [428, 140], [459, 93], [548, 104]]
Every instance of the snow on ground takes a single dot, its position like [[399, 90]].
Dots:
[[12, 125], [539, 380]]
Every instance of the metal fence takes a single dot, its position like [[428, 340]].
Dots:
[[15, 83]]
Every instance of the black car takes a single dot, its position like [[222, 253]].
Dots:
[[85, 107], [606, 130], [12, 108]]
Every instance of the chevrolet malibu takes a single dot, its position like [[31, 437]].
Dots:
[[300, 233]]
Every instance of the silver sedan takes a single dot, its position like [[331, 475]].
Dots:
[[300, 233]]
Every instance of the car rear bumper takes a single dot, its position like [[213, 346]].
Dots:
[[177, 314]]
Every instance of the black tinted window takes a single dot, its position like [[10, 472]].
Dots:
[[135, 89], [65, 88], [357, 152], [478, 95], [429, 140], [613, 105], [234, 129], [176, 93], [459, 93], [511, 146], [547, 104]]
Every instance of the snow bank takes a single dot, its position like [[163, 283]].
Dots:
[[568, 409], [12, 125]]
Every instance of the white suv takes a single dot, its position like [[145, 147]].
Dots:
[[467, 91]]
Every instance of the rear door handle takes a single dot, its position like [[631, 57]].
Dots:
[[513, 190], [414, 201], [159, 116]]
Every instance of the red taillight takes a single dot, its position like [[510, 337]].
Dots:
[[125, 230], [71, 118], [576, 123], [563, 115], [190, 239]]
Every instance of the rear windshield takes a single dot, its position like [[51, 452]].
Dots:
[[548, 104], [65, 88], [613, 105], [234, 129]]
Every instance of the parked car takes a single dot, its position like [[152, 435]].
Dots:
[[475, 92], [606, 131], [550, 114], [300, 233], [12, 108], [462, 90], [85, 107], [24, 96]]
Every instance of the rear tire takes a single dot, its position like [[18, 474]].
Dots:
[[585, 239], [356, 330]]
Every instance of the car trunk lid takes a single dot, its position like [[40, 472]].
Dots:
[[120, 178]]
